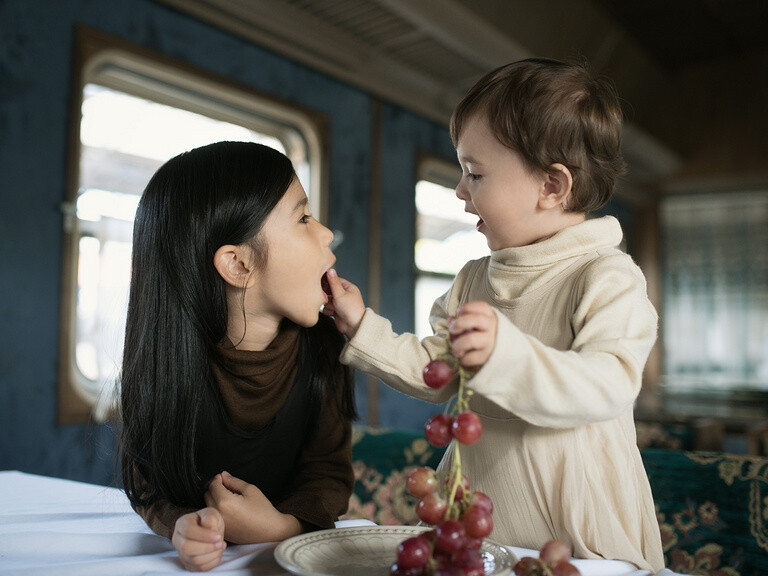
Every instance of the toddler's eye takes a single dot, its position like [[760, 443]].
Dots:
[[473, 177]]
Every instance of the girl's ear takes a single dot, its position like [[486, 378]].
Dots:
[[233, 267], [558, 182]]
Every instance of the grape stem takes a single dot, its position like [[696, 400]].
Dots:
[[460, 405]]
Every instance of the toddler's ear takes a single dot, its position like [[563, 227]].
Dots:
[[558, 182], [232, 266]]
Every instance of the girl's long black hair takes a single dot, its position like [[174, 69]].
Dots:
[[177, 312]]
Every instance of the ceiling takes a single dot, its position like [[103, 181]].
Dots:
[[425, 54], [679, 34]]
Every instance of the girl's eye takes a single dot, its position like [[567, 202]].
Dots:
[[473, 177], [305, 219]]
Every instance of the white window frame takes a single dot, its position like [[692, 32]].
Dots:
[[115, 64]]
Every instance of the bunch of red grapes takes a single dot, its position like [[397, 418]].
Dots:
[[461, 518]]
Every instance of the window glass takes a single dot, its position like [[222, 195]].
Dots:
[[715, 291], [124, 140], [446, 239]]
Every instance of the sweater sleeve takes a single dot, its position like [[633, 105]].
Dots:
[[321, 490], [599, 377], [399, 359], [160, 515]]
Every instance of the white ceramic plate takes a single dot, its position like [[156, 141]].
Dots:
[[366, 551]]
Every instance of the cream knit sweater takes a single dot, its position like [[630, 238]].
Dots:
[[558, 454]]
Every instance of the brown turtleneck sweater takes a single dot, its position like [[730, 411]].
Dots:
[[256, 392]]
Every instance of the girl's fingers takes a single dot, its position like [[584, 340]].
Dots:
[[211, 519], [209, 561], [203, 562], [233, 484], [216, 492]]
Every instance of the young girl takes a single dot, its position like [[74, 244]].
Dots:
[[236, 414], [556, 321]]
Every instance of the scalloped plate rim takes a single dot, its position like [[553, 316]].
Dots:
[[290, 545]]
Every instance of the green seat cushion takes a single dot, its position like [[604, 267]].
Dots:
[[712, 509], [382, 459]]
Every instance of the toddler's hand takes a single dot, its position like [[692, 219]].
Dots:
[[345, 304], [199, 539], [473, 333], [248, 514]]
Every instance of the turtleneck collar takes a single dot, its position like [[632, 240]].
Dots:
[[515, 271], [251, 382]]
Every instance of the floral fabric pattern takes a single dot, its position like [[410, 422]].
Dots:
[[382, 460], [712, 507], [712, 510]]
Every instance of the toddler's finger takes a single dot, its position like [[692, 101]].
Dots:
[[334, 283], [469, 323], [468, 342], [475, 358], [476, 307]]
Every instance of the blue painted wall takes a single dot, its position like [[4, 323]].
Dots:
[[35, 67]]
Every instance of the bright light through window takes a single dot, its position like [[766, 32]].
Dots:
[[446, 239]]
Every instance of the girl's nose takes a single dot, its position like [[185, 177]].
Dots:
[[460, 192], [327, 236]]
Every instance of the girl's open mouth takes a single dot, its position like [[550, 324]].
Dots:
[[326, 287]]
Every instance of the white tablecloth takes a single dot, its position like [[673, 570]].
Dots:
[[55, 527]]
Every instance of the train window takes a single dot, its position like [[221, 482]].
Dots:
[[445, 237], [133, 115]]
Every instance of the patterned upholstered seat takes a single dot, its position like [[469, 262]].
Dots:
[[712, 507]]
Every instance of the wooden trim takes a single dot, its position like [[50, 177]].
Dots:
[[374, 246]]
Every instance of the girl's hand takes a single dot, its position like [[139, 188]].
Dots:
[[199, 539], [345, 304], [248, 515], [473, 333]]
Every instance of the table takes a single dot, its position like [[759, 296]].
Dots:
[[55, 527]]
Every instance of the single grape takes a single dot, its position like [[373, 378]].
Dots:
[[431, 508], [450, 536], [421, 482], [413, 553], [528, 566], [438, 430], [481, 500], [467, 428], [397, 570], [468, 559], [477, 522], [437, 374], [448, 571], [564, 568], [555, 551]]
